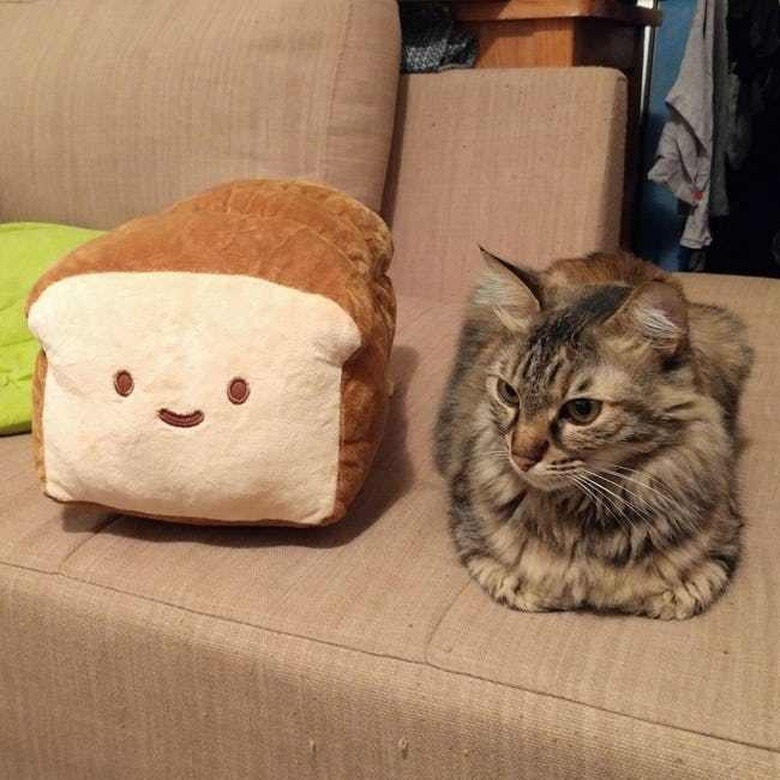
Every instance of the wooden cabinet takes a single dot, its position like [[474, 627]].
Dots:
[[522, 33]]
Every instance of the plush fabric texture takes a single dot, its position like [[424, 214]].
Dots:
[[224, 361], [113, 109], [27, 249]]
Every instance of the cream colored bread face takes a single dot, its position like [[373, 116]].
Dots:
[[184, 441]]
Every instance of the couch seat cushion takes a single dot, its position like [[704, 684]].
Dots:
[[386, 581]]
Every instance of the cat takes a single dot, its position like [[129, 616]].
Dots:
[[589, 439]]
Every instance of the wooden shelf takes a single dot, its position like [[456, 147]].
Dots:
[[504, 10]]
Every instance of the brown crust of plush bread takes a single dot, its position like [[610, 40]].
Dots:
[[364, 404], [293, 233], [251, 229], [232, 244], [338, 218]]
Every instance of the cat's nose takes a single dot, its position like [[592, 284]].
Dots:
[[529, 455], [524, 463]]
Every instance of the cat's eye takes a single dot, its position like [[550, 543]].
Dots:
[[581, 411], [238, 390], [123, 383], [507, 393]]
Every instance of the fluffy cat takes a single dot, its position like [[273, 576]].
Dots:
[[588, 437]]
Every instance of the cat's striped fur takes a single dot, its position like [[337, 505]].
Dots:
[[634, 511]]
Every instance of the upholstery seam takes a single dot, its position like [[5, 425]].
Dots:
[[442, 617], [424, 663], [109, 520]]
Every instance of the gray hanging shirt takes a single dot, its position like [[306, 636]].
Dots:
[[684, 157]]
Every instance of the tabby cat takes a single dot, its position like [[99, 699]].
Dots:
[[589, 437]]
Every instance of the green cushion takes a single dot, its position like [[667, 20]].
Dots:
[[27, 249]]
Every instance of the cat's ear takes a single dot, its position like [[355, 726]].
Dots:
[[658, 311], [512, 273], [514, 294]]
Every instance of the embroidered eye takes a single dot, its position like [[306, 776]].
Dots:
[[581, 411], [507, 393], [123, 383], [238, 390]]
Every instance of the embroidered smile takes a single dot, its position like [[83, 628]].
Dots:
[[181, 420]]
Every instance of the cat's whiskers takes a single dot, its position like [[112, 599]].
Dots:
[[628, 471], [583, 488], [648, 513], [664, 496], [664, 502], [670, 503], [494, 456], [629, 500], [582, 483], [602, 499]]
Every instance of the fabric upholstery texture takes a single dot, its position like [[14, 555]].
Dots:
[[114, 109], [280, 285], [268, 704], [528, 163], [282, 631]]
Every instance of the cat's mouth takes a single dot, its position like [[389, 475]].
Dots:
[[181, 420], [546, 481], [548, 478]]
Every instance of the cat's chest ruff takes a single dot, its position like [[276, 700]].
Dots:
[[556, 532]]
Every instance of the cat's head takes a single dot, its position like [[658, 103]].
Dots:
[[583, 377]]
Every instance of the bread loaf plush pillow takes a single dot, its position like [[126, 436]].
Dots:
[[224, 361]]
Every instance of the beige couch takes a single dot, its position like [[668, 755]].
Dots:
[[135, 649]]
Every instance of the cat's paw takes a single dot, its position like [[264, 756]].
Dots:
[[493, 576], [689, 598], [502, 585], [673, 604], [527, 602]]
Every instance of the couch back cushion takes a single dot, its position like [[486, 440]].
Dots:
[[112, 108], [527, 162]]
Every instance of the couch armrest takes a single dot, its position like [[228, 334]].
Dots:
[[528, 162]]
